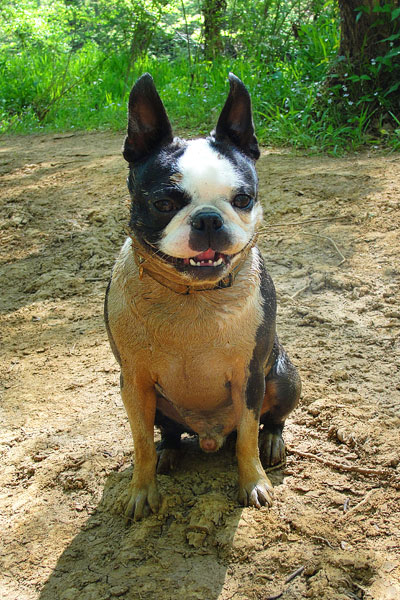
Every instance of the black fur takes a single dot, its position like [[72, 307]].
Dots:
[[107, 324], [235, 124], [285, 383], [149, 182], [265, 335], [148, 124]]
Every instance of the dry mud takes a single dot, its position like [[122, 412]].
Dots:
[[331, 243]]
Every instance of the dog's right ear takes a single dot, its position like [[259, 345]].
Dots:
[[148, 123]]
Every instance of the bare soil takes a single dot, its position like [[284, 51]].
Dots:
[[331, 243]]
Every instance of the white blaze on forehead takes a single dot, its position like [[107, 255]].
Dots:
[[206, 174]]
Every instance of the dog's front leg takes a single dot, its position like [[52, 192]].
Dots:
[[139, 397], [255, 489]]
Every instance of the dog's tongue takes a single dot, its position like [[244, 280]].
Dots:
[[207, 255]]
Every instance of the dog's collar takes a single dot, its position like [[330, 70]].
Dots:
[[149, 263]]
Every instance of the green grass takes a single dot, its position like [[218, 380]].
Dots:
[[47, 90]]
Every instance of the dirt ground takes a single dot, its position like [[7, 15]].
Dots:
[[331, 243]]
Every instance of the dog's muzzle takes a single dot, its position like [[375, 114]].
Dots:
[[208, 231]]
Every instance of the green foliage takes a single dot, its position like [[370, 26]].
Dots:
[[366, 89], [69, 64]]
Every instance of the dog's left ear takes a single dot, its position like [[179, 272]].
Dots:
[[235, 123], [148, 123]]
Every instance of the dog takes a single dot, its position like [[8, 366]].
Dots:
[[190, 309]]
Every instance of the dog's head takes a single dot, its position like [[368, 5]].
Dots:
[[194, 203]]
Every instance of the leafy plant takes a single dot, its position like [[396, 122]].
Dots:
[[70, 64]]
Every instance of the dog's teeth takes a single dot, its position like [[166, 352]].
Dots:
[[205, 263]]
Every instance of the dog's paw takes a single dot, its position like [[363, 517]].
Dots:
[[167, 460], [142, 501], [256, 493], [272, 448]]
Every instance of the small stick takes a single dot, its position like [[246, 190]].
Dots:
[[96, 278], [325, 237], [300, 291], [357, 506], [319, 538], [295, 573], [288, 579], [63, 137], [296, 223], [341, 466]]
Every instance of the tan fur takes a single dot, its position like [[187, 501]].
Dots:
[[186, 355], [170, 333]]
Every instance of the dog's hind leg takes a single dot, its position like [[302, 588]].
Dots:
[[169, 446], [282, 392]]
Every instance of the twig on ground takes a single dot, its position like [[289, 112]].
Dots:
[[96, 278], [382, 473], [63, 137], [319, 538], [300, 291], [296, 223], [354, 509], [288, 579], [325, 237], [295, 573]]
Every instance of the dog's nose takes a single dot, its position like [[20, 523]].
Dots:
[[207, 221]]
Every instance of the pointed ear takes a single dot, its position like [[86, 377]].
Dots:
[[235, 123], [148, 124]]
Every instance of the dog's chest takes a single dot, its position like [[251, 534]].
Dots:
[[193, 352], [196, 344]]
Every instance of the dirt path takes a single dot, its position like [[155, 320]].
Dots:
[[65, 440]]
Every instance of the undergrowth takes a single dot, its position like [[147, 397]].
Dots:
[[55, 86]]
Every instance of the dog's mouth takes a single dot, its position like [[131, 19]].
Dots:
[[209, 258], [209, 265]]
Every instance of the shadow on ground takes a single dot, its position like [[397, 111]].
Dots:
[[184, 551]]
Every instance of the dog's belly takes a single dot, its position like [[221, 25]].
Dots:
[[215, 423], [197, 395]]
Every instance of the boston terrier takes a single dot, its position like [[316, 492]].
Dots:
[[190, 309]]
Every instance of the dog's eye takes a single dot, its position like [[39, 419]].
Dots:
[[242, 201], [165, 205]]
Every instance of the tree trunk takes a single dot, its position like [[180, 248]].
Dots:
[[368, 70], [213, 14], [142, 34], [361, 35]]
